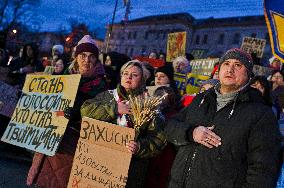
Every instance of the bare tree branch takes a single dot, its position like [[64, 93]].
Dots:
[[13, 10], [2, 10]]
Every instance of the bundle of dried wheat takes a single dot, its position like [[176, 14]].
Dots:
[[144, 108]]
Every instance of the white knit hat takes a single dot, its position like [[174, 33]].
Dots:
[[58, 48]]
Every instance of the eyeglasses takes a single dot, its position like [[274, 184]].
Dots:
[[86, 57], [277, 76]]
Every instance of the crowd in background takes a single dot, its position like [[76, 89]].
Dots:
[[113, 77]]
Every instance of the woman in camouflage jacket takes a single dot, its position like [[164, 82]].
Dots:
[[113, 106]]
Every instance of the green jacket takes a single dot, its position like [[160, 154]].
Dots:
[[104, 107]]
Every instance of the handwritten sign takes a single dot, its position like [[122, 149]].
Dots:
[[253, 45], [101, 158], [203, 66], [8, 98], [261, 71], [176, 45], [35, 124], [198, 53], [190, 83]]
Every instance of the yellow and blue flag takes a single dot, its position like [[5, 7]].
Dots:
[[274, 16]]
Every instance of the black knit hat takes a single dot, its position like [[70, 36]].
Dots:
[[87, 44], [167, 70], [242, 56]]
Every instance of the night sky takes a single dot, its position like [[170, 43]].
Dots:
[[55, 14]]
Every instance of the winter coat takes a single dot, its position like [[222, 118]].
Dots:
[[250, 152], [104, 107], [275, 99], [19, 77], [55, 170]]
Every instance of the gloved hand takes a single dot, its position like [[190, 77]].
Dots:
[[68, 112]]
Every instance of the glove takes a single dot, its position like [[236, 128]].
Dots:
[[68, 112]]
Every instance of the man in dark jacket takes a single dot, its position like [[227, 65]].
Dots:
[[227, 136]]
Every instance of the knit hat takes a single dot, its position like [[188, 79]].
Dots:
[[271, 59], [167, 70], [87, 44], [58, 48], [212, 82], [242, 56]]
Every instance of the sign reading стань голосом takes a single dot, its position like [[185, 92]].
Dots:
[[38, 123]]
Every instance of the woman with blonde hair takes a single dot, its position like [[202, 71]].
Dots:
[[113, 106]]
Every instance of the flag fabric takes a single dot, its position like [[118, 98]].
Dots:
[[274, 16]]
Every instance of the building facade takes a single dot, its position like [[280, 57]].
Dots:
[[208, 37]]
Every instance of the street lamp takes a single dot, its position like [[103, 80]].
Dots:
[[14, 31]]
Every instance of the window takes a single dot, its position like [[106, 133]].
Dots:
[[112, 36], [165, 34], [197, 39], [134, 34], [118, 35], [143, 50], [221, 38], [236, 39], [126, 51], [131, 52], [205, 37], [146, 35], [129, 35], [158, 34], [253, 35]]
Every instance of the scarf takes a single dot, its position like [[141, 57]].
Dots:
[[224, 99], [92, 86]]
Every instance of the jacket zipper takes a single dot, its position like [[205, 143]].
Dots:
[[190, 166]]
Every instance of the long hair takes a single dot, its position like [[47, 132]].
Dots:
[[265, 84]]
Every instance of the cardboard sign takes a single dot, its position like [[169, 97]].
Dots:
[[198, 53], [261, 71], [274, 16], [8, 98], [101, 158], [35, 123], [176, 45], [190, 83], [203, 66], [253, 45]]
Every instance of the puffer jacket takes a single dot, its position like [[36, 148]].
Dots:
[[151, 138], [250, 152]]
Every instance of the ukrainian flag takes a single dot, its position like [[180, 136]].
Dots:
[[274, 16]]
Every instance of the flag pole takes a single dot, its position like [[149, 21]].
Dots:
[[110, 29]]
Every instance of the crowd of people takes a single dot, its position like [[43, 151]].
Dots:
[[226, 135]]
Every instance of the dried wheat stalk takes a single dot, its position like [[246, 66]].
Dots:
[[144, 108]]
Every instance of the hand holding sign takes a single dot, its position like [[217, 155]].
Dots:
[[133, 147]]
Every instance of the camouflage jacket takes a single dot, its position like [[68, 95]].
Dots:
[[151, 137]]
